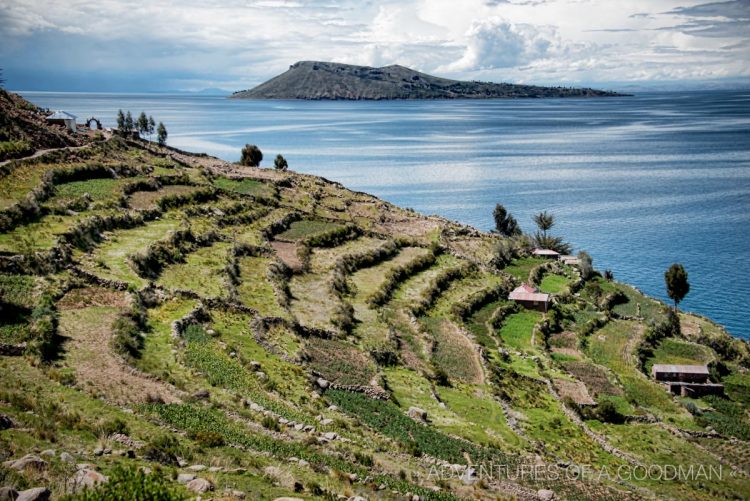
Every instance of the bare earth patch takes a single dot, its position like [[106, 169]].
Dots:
[[574, 390], [88, 346], [287, 252]]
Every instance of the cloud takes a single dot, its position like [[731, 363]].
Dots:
[[497, 43], [236, 44], [734, 9]]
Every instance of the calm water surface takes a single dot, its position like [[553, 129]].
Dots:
[[639, 182]]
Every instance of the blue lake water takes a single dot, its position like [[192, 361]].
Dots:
[[639, 182]]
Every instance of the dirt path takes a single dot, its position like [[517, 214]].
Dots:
[[86, 316], [39, 153]]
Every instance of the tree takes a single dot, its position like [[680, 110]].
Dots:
[[142, 124], [676, 279], [280, 163], [151, 127], [586, 265], [251, 155], [505, 223], [120, 121], [161, 134], [545, 221], [129, 124]]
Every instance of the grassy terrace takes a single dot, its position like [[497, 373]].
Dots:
[[255, 289], [554, 284], [192, 390], [469, 411], [202, 271], [460, 290], [149, 199], [245, 187], [101, 191], [299, 230], [613, 348], [413, 288], [516, 331], [110, 259], [520, 268], [41, 235], [371, 329]]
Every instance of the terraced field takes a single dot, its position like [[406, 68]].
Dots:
[[276, 335]]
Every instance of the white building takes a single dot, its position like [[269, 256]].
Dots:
[[63, 118]]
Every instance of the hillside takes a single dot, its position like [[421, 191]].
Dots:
[[323, 80], [184, 326], [23, 128]]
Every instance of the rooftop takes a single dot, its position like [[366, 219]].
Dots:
[[545, 252], [684, 369], [61, 115], [526, 292]]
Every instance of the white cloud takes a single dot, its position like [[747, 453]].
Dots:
[[243, 42], [496, 43]]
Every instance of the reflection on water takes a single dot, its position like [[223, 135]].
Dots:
[[639, 182]]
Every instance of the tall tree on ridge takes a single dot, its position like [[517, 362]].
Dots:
[[676, 280], [505, 223]]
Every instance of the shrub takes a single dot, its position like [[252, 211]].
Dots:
[[129, 483], [607, 412], [163, 449], [251, 155], [208, 438], [280, 163], [112, 426]]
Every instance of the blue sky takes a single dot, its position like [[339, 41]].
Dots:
[[162, 45]]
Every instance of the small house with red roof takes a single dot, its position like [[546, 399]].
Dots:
[[530, 297]]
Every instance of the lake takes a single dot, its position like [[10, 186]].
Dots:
[[639, 182]]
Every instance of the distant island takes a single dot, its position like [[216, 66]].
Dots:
[[318, 80]]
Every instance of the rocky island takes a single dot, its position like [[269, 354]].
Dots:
[[325, 80]]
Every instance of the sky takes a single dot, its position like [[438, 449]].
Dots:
[[189, 45]]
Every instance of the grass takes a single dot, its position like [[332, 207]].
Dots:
[[517, 329], [41, 235], [149, 199], [101, 190], [462, 289], [453, 351], [202, 271], [158, 353], [677, 351], [299, 230], [389, 420], [412, 289], [610, 348], [22, 290], [340, 362], [656, 446], [469, 411], [245, 187], [650, 309], [554, 284], [255, 290], [520, 268], [110, 259]]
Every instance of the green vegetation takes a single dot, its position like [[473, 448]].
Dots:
[[301, 340], [299, 230], [244, 186]]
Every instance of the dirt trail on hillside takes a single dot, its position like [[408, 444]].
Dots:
[[86, 317], [39, 153]]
